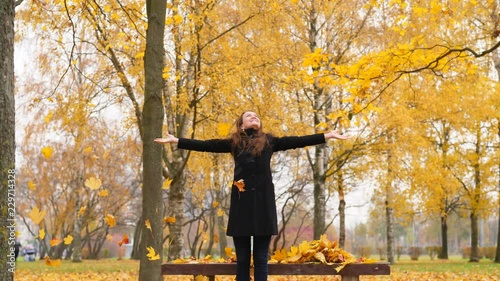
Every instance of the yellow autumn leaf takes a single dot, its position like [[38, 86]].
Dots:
[[50, 262], [87, 150], [166, 183], [93, 183], [220, 212], [49, 116], [200, 278], [31, 185], [54, 241], [82, 211], [41, 234], [36, 215], [68, 239], [103, 193], [148, 225], [215, 204], [47, 152], [110, 220], [240, 184], [279, 255], [228, 251], [169, 219], [152, 255], [109, 237]]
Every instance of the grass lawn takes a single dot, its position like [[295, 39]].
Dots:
[[453, 269]]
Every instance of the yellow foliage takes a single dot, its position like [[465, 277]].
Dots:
[[110, 220], [36, 215], [93, 183], [47, 152]]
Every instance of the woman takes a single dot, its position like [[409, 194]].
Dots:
[[252, 212]]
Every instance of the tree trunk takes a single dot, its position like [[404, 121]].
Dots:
[[152, 122], [496, 60], [77, 238], [7, 141], [474, 237], [444, 239], [342, 221], [176, 209], [136, 250]]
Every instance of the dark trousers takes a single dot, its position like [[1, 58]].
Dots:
[[260, 257]]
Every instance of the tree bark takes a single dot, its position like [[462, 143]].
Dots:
[[152, 122], [444, 239], [7, 141], [474, 237]]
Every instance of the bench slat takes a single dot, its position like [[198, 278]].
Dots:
[[212, 269]]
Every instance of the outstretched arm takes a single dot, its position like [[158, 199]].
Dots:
[[335, 135], [168, 139]]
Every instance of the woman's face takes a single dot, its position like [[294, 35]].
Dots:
[[250, 120]]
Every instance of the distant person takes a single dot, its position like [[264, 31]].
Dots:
[[252, 212], [17, 248]]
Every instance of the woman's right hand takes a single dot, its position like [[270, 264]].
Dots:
[[168, 139]]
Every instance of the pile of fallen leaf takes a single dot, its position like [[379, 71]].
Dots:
[[318, 251]]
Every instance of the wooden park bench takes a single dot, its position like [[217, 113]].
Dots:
[[351, 272]]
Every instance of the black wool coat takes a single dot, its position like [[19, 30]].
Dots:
[[253, 211]]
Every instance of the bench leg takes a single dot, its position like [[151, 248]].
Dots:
[[350, 278]]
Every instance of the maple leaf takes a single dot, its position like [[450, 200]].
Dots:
[[93, 183], [279, 255], [68, 239], [54, 241], [124, 240], [169, 219], [166, 183], [50, 262], [41, 234], [82, 211], [240, 184], [152, 255], [103, 193], [110, 220], [47, 152], [31, 185], [36, 215]]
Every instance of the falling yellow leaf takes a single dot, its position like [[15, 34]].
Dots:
[[50, 262], [87, 150], [31, 185], [152, 255], [47, 152], [93, 183], [68, 239], [148, 225], [41, 234], [220, 212], [169, 219], [166, 183], [103, 193], [109, 237], [54, 241], [82, 211], [110, 220], [36, 215], [215, 204]]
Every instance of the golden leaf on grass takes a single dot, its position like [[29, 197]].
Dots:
[[169, 219], [41, 234], [54, 241], [47, 152], [36, 215], [103, 193], [110, 220], [68, 239], [152, 255], [166, 183], [50, 262], [124, 240], [31, 185], [240, 184], [93, 183]]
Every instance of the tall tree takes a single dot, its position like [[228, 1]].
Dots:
[[7, 140], [152, 123]]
